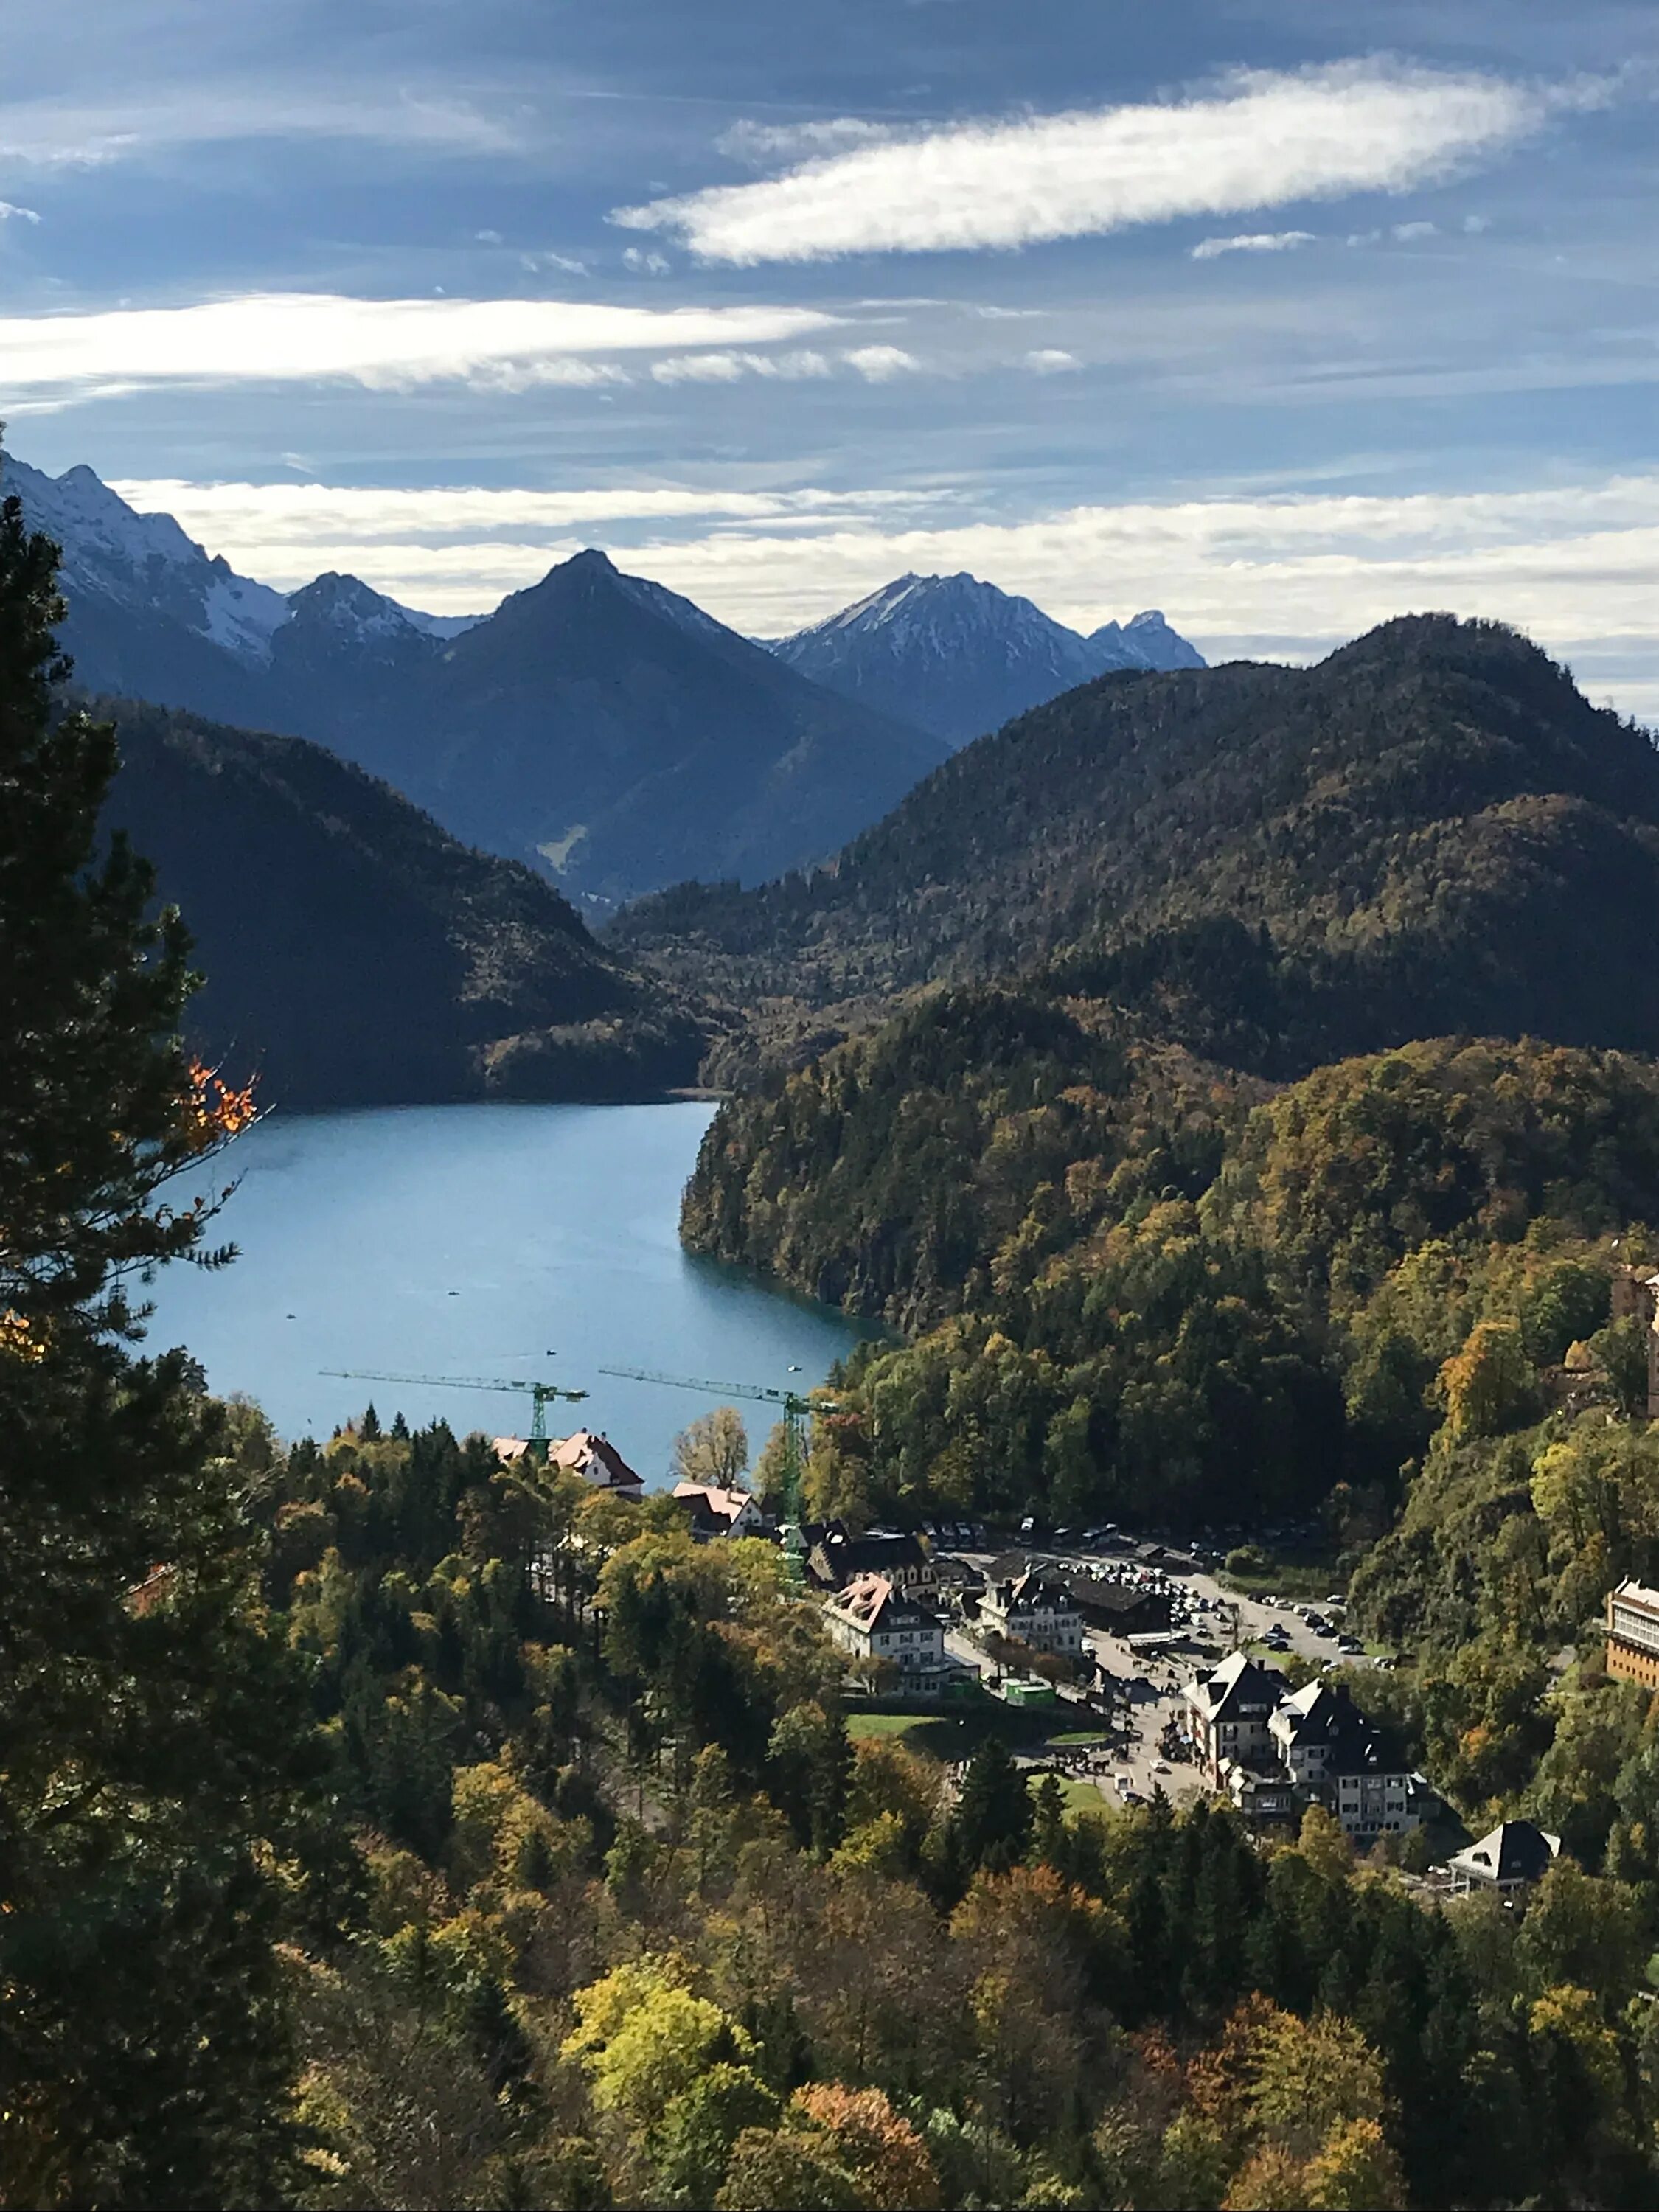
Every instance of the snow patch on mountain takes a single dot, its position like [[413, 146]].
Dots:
[[148, 561], [959, 657]]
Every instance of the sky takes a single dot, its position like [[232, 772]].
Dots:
[[1285, 316]]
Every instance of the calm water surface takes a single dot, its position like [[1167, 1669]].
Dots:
[[473, 1240]]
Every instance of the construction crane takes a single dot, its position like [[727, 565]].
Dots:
[[542, 1394], [796, 1409]]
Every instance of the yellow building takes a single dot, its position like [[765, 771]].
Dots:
[[1633, 1634]]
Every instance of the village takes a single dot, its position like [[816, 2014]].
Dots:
[[1126, 1668]]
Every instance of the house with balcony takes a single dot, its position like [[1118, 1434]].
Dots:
[[1276, 1750]]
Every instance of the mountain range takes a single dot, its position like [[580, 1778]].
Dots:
[[959, 657], [598, 726]]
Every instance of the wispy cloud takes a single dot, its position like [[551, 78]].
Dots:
[[731, 367], [277, 337], [1052, 361], [1408, 233], [879, 364], [87, 134], [10, 212], [763, 143], [1265, 140], [1255, 241]]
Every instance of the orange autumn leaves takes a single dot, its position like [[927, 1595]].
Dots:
[[215, 1110]]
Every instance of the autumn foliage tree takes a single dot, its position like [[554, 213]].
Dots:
[[144, 1719]]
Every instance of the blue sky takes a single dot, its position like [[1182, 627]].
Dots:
[[1282, 314]]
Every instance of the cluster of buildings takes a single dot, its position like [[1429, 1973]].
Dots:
[[1274, 1750]]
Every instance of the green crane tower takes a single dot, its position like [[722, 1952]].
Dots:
[[541, 1395], [797, 1410]]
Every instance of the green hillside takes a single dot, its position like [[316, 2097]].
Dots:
[[1430, 831], [355, 953]]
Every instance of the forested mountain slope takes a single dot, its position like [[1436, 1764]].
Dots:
[[1430, 830], [356, 953]]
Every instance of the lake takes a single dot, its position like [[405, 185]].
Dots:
[[475, 1241]]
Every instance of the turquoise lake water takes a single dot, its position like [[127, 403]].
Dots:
[[474, 1240]]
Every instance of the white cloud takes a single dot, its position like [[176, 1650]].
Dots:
[[699, 368], [467, 543], [644, 265], [535, 263], [11, 213], [1267, 139], [1572, 564], [1475, 224], [1409, 232], [1255, 241], [286, 337], [488, 237], [763, 143], [879, 364], [1052, 361]]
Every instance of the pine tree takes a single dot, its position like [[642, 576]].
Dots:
[[992, 1816], [143, 1715]]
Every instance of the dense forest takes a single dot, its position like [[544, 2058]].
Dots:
[[1431, 832]]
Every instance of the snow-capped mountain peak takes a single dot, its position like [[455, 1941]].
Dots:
[[959, 656], [147, 563]]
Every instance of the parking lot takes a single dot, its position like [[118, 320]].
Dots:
[[1145, 1684]]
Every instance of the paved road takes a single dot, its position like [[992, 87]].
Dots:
[[1152, 1685]]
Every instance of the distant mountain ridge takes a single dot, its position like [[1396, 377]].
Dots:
[[960, 658], [596, 725]]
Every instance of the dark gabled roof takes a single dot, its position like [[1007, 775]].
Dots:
[[1092, 1594], [1238, 1685], [1032, 1588], [845, 1557], [1515, 1850], [704, 1521]]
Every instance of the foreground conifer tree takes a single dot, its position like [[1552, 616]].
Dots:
[[143, 1714]]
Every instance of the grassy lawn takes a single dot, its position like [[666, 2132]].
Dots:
[[1084, 1797], [950, 1735]]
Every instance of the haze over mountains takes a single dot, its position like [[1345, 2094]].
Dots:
[[356, 954], [960, 658], [597, 726]]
